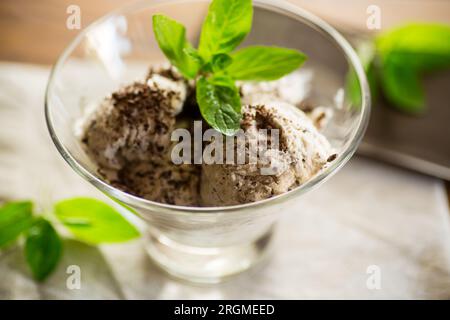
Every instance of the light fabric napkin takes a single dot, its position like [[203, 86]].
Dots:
[[369, 220]]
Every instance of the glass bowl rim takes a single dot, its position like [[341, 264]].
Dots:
[[282, 7]]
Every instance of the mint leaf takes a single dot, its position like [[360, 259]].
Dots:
[[171, 37], [219, 105], [43, 249], [226, 25], [424, 47], [221, 80], [193, 53], [15, 218], [220, 61], [401, 87], [405, 54], [93, 221], [260, 63]]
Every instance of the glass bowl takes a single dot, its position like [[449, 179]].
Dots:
[[202, 244]]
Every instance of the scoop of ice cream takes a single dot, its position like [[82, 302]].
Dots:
[[135, 123], [161, 181], [128, 136], [300, 153]]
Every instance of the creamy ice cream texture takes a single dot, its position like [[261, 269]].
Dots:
[[128, 136], [302, 152]]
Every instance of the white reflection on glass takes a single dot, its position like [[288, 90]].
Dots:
[[109, 43]]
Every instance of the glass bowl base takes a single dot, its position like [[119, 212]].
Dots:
[[206, 264]]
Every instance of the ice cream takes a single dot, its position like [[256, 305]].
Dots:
[[128, 137], [161, 181], [301, 153], [135, 123]]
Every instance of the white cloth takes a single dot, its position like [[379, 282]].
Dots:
[[369, 214]]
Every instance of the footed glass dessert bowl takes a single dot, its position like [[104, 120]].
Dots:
[[207, 244]]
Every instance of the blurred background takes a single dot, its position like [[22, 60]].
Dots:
[[34, 31], [417, 148]]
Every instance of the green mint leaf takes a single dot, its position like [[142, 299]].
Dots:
[[219, 105], [43, 249], [424, 47], [260, 63], [401, 87], [15, 218], [221, 80], [207, 68], [193, 53], [226, 25], [171, 37], [220, 61], [407, 52], [93, 221]]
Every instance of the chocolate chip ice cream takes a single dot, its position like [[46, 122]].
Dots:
[[301, 153], [161, 181], [129, 138], [133, 124]]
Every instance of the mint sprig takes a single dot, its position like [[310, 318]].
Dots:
[[400, 58], [215, 67], [88, 220]]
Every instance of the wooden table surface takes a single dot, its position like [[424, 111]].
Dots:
[[35, 31]]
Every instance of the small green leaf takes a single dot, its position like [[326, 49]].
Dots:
[[43, 249], [260, 63], [424, 47], [220, 61], [405, 54], [193, 53], [221, 80], [401, 87], [15, 218], [207, 68], [226, 25], [171, 37], [100, 223], [219, 105]]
